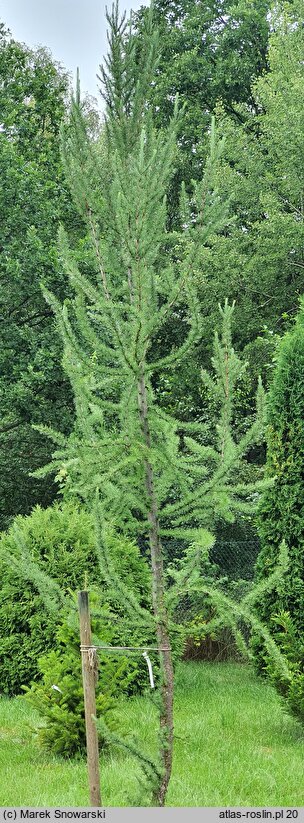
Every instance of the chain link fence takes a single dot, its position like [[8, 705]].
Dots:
[[236, 558], [231, 567]]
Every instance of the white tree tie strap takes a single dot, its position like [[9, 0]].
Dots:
[[149, 664], [91, 651]]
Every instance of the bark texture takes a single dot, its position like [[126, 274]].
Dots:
[[159, 608]]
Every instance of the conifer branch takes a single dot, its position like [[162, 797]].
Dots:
[[230, 613], [102, 273], [122, 593], [272, 581], [177, 355], [150, 767]]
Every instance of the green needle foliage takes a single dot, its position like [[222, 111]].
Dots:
[[143, 472], [109, 336], [281, 514]]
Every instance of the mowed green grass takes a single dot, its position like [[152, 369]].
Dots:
[[234, 746]]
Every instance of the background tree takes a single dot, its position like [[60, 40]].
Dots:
[[209, 52], [281, 514], [258, 257], [267, 238], [33, 199]]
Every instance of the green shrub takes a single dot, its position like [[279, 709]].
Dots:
[[291, 690], [281, 515], [295, 695], [61, 541], [59, 696]]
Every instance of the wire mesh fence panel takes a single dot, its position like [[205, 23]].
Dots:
[[231, 567], [236, 558]]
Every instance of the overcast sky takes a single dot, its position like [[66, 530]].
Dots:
[[74, 31]]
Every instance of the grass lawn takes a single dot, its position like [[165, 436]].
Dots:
[[234, 746]]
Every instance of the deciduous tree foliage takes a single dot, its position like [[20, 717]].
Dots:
[[258, 258], [264, 173], [33, 198], [208, 52]]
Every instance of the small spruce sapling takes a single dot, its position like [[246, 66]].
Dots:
[[58, 695]]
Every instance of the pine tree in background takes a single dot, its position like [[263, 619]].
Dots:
[[144, 473], [281, 512]]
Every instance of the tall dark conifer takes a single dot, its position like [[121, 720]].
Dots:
[[281, 515]]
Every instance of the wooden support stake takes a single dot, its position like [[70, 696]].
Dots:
[[88, 677]]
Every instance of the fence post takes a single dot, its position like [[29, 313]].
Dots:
[[88, 678]]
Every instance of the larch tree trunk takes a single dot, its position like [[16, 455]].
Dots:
[[159, 607]]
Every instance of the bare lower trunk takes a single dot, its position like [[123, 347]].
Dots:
[[160, 612]]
